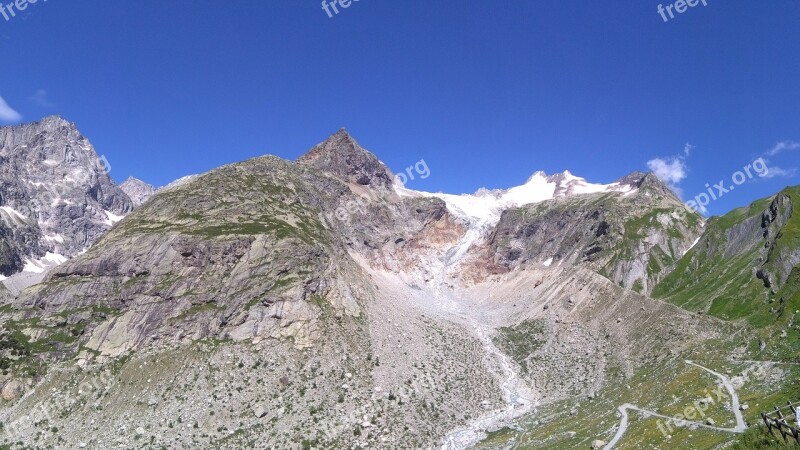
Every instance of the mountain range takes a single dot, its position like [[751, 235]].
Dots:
[[319, 303]]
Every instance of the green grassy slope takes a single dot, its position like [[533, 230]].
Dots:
[[720, 274]]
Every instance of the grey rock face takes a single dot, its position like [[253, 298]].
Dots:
[[55, 192], [137, 190], [783, 254], [762, 235], [341, 155]]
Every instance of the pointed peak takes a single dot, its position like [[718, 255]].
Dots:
[[652, 179], [539, 174], [134, 180], [565, 176], [342, 133], [650, 182], [137, 190], [53, 118], [341, 155], [56, 121], [634, 179]]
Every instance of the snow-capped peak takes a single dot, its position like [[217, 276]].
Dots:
[[485, 206]]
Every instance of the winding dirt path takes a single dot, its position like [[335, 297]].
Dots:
[[740, 424]]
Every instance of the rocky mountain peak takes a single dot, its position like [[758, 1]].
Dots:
[[137, 190], [56, 194], [633, 179], [342, 156], [56, 121], [650, 182]]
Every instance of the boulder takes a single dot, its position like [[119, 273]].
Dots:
[[11, 390]]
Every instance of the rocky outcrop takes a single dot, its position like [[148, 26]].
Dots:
[[783, 242], [55, 193]]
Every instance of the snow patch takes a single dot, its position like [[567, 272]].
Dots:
[[485, 207], [55, 258], [692, 246], [41, 265], [13, 212], [54, 238], [548, 263], [33, 266], [112, 218]]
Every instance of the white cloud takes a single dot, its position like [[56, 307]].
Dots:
[[672, 170], [776, 172], [687, 150], [783, 146], [40, 98], [7, 114]]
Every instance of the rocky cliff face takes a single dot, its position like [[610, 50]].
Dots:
[[55, 193], [237, 253]]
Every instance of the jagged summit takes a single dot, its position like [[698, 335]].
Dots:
[[14, 136], [137, 190], [633, 179], [55, 192], [341, 155]]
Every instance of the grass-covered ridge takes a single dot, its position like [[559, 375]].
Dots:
[[260, 196], [720, 275]]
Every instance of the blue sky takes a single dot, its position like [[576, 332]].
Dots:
[[486, 92]]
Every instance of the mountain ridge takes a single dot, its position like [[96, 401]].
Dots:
[[319, 303]]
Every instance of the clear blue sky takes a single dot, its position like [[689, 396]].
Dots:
[[486, 92]]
